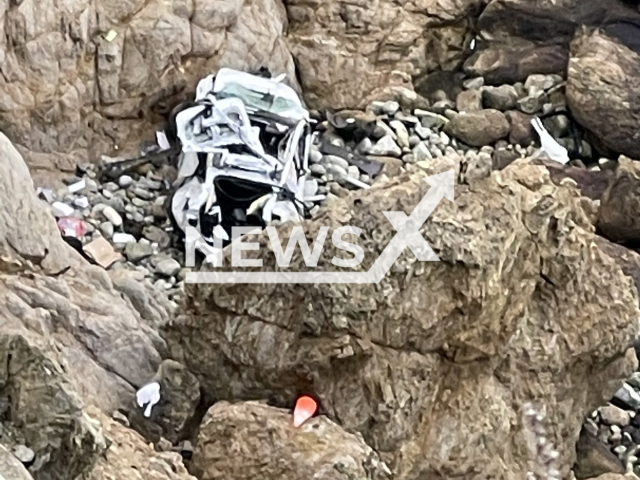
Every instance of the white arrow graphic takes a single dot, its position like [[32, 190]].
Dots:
[[408, 235]]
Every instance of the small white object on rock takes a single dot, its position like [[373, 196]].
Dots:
[[62, 209], [148, 396]]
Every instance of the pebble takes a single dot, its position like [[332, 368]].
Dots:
[[124, 181], [143, 193], [433, 120], [353, 172], [112, 187], [123, 238], [317, 169], [473, 83], [445, 138], [314, 155], [414, 140], [137, 251], [338, 172], [423, 132], [614, 416], [107, 229], [401, 132], [334, 160], [421, 153], [168, 267], [365, 145], [23, 453], [386, 146], [628, 396], [107, 194], [391, 107], [111, 215]]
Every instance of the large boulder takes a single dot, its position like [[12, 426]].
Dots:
[[520, 37], [129, 456], [434, 364], [348, 51], [70, 90], [69, 337], [252, 440], [603, 90], [618, 218]]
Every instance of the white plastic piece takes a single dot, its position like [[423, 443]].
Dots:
[[553, 149], [162, 140], [76, 187], [62, 209], [357, 183], [148, 396]]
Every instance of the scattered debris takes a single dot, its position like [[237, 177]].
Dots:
[[305, 408], [148, 396], [553, 149], [71, 227], [102, 252]]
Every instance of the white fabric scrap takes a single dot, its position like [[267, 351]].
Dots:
[[553, 149], [148, 396]]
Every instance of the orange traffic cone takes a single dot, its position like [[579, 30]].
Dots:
[[304, 410]]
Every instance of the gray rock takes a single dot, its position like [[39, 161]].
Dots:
[[423, 132], [138, 202], [532, 103], [353, 172], [386, 146], [628, 396], [112, 187], [314, 155], [112, 216], [433, 120], [536, 83], [612, 415], [414, 140], [156, 235], [634, 380], [143, 193], [23, 453], [444, 138], [338, 172], [377, 108], [473, 83], [410, 120], [469, 101], [479, 128], [124, 181], [107, 194], [136, 252], [501, 98], [11, 468], [364, 146], [317, 169], [401, 133], [421, 152], [168, 267], [335, 160], [390, 108], [106, 228]]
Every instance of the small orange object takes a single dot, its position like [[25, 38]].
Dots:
[[305, 409]]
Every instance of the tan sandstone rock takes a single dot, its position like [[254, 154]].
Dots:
[[250, 440], [603, 90], [434, 364]]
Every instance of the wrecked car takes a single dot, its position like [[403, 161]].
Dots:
[[245, 144]]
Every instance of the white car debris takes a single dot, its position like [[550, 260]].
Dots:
[[148, 396], [245, 144]]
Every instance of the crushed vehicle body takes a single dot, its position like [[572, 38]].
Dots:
[[245, 144]]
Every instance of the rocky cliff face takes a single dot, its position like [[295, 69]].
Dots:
[[523, 308]]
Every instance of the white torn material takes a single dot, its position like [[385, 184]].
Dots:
[[62, 209], [111, 36], [148, 396], [553, 149], [76, 187], [162, 140]]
